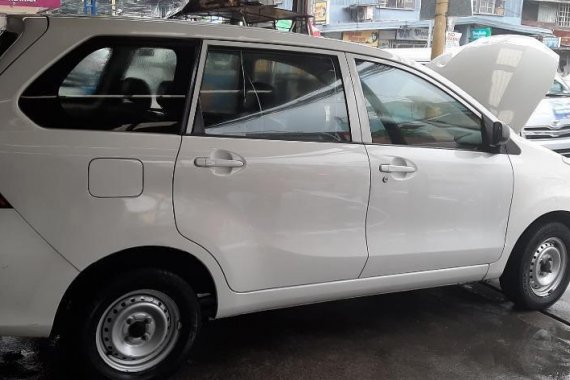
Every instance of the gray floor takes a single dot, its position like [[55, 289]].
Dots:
[[457, 332]]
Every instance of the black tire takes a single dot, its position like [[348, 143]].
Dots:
[[520, 282], [81, 340]]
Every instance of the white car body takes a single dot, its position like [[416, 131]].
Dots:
[[300, 222]]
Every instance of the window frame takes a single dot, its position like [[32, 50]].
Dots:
[[383, 4], [111, 41], [349, 92], [492, 7], [563, 15], [361, 103]]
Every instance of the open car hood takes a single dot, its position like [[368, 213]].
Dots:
[[507, 74]]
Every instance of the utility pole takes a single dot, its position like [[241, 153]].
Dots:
[[440, 25], [301, 7]]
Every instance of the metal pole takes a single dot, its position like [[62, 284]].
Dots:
[[440, 24]]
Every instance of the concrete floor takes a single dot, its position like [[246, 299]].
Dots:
[[457, 332]]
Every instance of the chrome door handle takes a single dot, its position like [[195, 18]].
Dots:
[[207, 162], [396, 169]]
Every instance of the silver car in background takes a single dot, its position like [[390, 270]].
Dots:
[[549, 125]]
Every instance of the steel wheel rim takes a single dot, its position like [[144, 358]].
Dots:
[[138, 330], [548, 266]]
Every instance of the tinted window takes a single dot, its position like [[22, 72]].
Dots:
[[126, 86], [272, 95], [405, 109]]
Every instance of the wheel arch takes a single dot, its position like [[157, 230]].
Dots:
[[552, 216], [184, 264]]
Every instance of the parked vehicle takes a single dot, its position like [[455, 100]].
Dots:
[[154, 174], [549, 125]]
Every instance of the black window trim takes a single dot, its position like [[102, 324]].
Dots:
[[341, 60]]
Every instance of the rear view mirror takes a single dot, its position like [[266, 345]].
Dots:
[[495, 133]]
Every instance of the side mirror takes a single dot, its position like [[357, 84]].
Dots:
[[495, 133]]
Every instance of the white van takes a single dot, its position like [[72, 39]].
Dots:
[[154, 174]]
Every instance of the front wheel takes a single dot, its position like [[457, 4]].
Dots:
[[140, 324], [537, 273]]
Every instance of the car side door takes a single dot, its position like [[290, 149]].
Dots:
[[271, 178], [439, 198]]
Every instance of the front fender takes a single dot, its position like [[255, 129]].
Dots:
[[541, 186]]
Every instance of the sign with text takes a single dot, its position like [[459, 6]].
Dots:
[[551, 42], [477, 33], [365, 37], [31, 3], [412, 34], [452, 39], [321, 12]]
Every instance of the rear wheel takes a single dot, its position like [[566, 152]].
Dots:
[[141, 324], [537, 272]]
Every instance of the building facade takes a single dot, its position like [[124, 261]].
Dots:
[[398, 23], [554, 15]]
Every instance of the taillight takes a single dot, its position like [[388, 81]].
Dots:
[[4, 203]]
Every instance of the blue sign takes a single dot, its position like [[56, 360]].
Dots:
[[551, 42], [480, 33]]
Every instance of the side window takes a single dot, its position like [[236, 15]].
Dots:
[[126, 86], [405, 109], [272, 95]]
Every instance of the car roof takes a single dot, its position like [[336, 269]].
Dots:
[[202, 30]]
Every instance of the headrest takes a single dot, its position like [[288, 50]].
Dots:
[[137, 92], [171, 102]]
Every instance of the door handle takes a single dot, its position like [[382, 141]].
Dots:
[[396, 169], [207, 162]]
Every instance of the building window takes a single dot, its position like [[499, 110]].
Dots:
[[397, 4], [489, 7], [563, 18]]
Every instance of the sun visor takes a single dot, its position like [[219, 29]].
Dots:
[[507, 74]]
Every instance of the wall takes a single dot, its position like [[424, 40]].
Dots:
[[340, 14]]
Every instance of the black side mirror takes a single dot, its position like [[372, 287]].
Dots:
[[495, 133]]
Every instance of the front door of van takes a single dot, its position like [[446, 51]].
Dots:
[[268, 180], [438, 200]]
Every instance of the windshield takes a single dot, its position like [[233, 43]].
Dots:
[[558, 88]]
